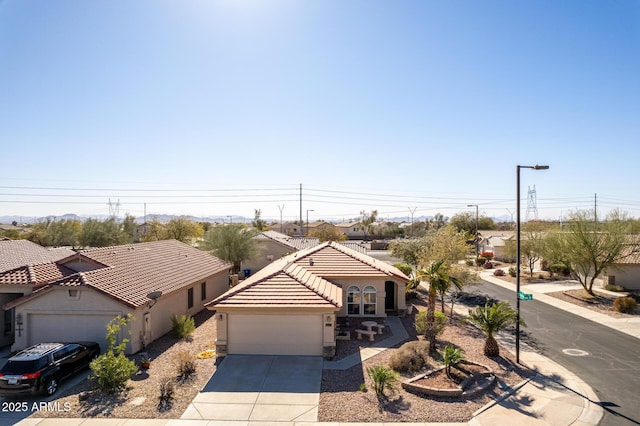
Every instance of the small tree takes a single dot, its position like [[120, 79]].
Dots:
[[232, 242], [492, 319], [451, 357], [438, 277], [113, 369]]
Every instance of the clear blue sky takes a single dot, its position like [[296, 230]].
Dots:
[[222, 107]]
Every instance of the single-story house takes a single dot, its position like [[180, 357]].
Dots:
[[288, 228], [22, 255], [291, 306], [351, 229], [75, 297], [626, 272], [497, 242], [273, 245]]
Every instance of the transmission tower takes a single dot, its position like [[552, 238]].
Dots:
[[114, 209], [532, 206]]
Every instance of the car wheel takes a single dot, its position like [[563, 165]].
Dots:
[[51, 386]]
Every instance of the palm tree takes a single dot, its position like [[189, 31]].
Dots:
[[451, 357], [437, 275], [492, 319]]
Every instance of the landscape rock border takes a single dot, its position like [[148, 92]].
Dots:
[[460, 392]]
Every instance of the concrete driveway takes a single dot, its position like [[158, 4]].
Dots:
[[261, 388]]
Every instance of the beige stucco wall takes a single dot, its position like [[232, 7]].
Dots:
[[93, 303], [7, 294], [275, 330], [378, 284], [57, 301], [627, 276], [266, 248]]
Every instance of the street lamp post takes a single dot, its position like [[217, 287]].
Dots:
[[536, 167], [476, 239], [307, 234]]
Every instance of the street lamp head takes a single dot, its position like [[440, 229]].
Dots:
[[537, 167]]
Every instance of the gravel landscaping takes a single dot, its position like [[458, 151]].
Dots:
[[341, 396], [140, 399], [343, 400]]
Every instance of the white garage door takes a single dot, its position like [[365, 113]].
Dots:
[[68, 328], [275, 334]]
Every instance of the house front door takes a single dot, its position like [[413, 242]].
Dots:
[[390, 296]]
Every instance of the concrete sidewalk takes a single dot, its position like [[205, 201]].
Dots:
[[554, 396]]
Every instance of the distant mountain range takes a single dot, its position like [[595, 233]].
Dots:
[[164, 218]]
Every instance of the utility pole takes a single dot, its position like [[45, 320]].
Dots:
[[281, 207], [412, 212], [301, 210]]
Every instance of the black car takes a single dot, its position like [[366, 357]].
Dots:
[[40, 368]]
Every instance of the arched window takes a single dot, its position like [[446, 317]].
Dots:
[[353, 300], [369, 300]]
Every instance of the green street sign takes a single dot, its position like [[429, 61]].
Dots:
[[525, 296]]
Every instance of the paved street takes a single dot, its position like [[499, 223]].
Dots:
[[611, 362]]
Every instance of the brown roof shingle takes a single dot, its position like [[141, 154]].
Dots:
[[17, 253], [134, 270]]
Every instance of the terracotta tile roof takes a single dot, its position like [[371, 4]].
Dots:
[[135, 270], [304, 279], [290, 287], [332, 259], [43, 273], [16, 253], [631, 255], [295, 243]]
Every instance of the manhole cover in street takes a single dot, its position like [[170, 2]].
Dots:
[[575, 352]]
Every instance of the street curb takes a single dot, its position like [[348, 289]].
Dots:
[[502, 397]]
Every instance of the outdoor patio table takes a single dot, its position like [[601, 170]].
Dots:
[[369, 325]]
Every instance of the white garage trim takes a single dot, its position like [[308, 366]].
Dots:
[[265, 334], [68, 327]]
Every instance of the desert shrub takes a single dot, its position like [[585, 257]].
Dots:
[[412, 356], [512, 272], [487, 265], [183, 325], [626, 305], [383, 379], [468, 262], [614, 287], [167, 391], [186, 364], [560, 268], [541, 276], [111, 372], [113, 369], [498, 273], [404, 268], [487, 255], [481, 261], [420, 322]]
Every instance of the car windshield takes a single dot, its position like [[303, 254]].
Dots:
[[22, 367]]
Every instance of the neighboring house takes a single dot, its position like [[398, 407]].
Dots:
[[272, 246], [75, 297], [290, 307], [496, 242], [22, 255], [352, 230], [287, 228], [626, 272]]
